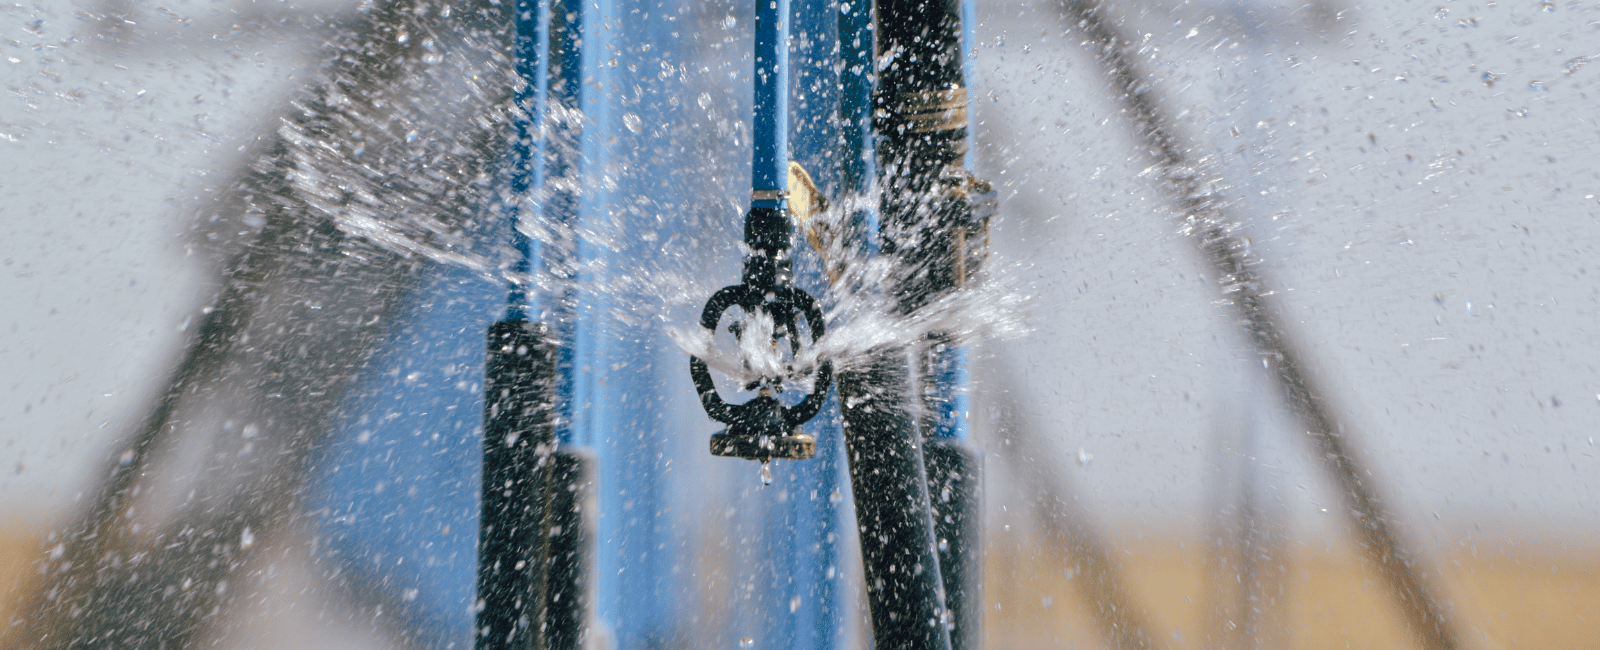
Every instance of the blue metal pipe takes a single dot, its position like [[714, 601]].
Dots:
[[616, 405], [856, 164], [532, 39], [770, 162], [562, 28], [945, 380], [946, 377], [594, 43]]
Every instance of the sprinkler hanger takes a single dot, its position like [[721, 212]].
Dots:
[[764, 428]]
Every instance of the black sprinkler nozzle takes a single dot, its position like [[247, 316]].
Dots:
[[764, 428], [764, 434]]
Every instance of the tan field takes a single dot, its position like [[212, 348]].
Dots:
[[18, 551], [1544, 597]]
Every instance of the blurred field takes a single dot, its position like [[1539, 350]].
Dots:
[[19, 548], [1544, 597], [1512, 597]]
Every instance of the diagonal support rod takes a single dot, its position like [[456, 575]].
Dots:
[[1207, 223]]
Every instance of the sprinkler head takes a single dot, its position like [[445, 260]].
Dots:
[[763, 428], [761, 432]]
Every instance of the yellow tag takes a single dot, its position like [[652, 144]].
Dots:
[[806, 203], [805, 200]]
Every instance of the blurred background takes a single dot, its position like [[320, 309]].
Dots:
[[1416, 182]]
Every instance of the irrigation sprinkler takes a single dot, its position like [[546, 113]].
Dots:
[[517, 436], [950, 256], [534, 548], [517, 441], [103, 590], [764, 428], [922, 127], [934, 222]]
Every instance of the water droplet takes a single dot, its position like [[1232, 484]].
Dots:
[[794, 604], [403, 38], [632, 121], [1084, 457], [1547, 6], [247, 539], [126, 458], [944, 544], [766, 472], [747, 641], [411, 136]]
